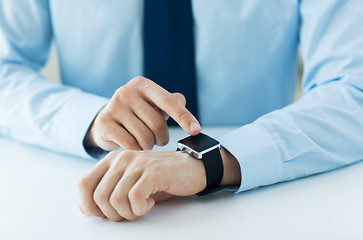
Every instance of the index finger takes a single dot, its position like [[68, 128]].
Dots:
[[172, 104]]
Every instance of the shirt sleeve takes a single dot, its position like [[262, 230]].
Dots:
[[33, 109], [324, 130]]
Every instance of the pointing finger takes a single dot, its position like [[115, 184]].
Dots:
[[171, 104]]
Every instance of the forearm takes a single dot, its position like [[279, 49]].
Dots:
[[39, 112], [321, 132], [34, 109]]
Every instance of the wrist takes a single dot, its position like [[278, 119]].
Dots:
[[232, 171], [195, 169], [221, 167], [89, 139]]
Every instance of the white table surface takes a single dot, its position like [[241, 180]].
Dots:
[[38, 200]]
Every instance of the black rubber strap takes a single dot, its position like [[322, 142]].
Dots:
[[214, 170]]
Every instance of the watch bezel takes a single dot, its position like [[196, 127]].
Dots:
[[193, 149], [199, 155]]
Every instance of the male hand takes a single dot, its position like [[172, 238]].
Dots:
[[126, 184], [135, 118]]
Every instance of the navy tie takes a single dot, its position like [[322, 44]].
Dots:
[[169, 47]]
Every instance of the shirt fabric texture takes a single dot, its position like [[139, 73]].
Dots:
[[246, 65]]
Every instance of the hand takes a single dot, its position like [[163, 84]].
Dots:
[[126, 184], [135, 118]]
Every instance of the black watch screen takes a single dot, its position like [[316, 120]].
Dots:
[[199, 142]]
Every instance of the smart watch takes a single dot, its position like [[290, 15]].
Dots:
[[207, 149]]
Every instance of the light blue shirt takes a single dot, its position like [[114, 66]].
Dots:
[[246, 57]]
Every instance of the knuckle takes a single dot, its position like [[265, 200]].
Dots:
[[112, 106], [118, 163], [83, 184], [134, 195], [126, 156], [129, 143], [168, 98], [160, 130], [184, 115], [180, 97], [124, 93], [112, 155], [147, 138], [99, 197], [154, 170], [137, 163], [136, 167], [138, 81], [116, 202], [102, 120], [135, 199], [174, 98], [110, 158], [159, 124], [103, 137], [163, 141], [121, 207]]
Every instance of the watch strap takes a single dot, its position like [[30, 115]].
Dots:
[[214, 171]]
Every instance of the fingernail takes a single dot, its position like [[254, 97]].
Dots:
[[194, 127]]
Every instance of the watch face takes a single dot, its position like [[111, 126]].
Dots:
[[199, 142]]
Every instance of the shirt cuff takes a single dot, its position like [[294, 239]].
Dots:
[[257, 153], [75, 122]]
